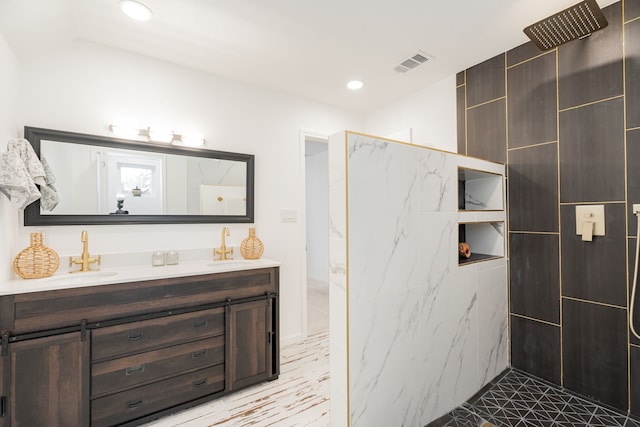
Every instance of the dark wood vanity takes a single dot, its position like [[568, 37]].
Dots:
[[128, 353]]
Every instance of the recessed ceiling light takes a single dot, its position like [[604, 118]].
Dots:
[[135, 10], [355, 85]]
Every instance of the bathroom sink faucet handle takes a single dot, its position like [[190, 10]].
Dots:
[[223, 251], [85, 259]]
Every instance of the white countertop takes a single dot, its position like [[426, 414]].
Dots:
[[108, 276]]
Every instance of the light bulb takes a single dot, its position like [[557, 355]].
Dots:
[[355, 85], [135, 10], [124, 131], [160, 135], [193, 140]]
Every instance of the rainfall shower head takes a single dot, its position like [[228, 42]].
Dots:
[[575, 22]]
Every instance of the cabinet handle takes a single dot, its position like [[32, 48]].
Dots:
[[200, 383], [198, 354], [199, 323], [134, 403], [4, 344], [3, 406], [135, 337], [135, 370], [83, 330]]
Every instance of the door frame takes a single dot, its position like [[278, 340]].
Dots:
[[303, 135]]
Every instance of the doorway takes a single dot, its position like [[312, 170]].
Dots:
[[317, 234]]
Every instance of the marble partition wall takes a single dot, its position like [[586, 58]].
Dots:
[[413, 334]]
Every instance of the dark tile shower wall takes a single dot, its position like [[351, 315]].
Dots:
[[567, 124], [594, 346]]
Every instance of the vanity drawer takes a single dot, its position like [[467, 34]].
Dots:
[[139, 369], [136, 337], [141, 401]]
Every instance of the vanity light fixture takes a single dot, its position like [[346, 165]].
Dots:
[[192, 140], [158, 135], [124, 131], [161, 135], [355, 85], [135, 10]]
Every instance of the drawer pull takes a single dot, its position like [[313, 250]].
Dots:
[[136, 337], [134, 403], [200, 383], [135, 370], [199, 323], [198, 354]]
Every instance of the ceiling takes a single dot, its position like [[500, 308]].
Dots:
[[308, 48]]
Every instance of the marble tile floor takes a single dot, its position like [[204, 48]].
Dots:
[[299, 397], [517, 399]]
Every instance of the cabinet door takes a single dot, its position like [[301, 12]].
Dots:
[[4, 391], [250, 341], [49, 381]]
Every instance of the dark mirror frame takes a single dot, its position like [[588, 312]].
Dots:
[[32, 214]]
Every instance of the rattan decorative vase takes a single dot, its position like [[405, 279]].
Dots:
[[251, 247], [37, 260]]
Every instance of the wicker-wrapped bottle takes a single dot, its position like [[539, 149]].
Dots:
[[251, 247], [37, 260]]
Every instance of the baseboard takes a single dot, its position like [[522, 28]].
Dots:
[[290, 339]]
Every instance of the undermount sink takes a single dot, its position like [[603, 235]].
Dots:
[[82, 277]]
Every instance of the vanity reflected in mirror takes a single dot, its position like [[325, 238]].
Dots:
[[104, 180]]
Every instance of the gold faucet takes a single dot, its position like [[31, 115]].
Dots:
[[85, 260], [223, 251]]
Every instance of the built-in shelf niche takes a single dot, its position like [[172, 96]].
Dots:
[[485, 239], [479, 191]]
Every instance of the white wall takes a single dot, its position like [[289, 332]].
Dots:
[[430, 114], [9, 217], [85, 86]]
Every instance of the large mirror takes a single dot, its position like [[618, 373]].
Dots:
[[103, 180]]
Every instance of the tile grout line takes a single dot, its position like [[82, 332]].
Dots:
[[559, 219], [626, 197]]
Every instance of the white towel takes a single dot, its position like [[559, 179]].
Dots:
[[49, 196], [20, 171], [49, 177], [29, 159], [15, 182]]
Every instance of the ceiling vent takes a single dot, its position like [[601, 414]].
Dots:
[[409, 64], [576, 22]]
